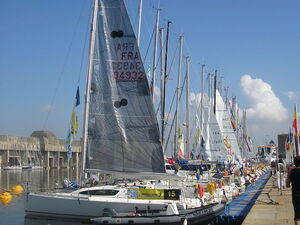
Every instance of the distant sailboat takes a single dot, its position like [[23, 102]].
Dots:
[[214, 149], [227, 132]]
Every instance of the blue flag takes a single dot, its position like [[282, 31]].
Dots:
[[68, 145], [202, 142], [77, 97]]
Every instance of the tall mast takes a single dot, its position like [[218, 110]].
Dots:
[[187, 107], [201, 99], [209, 87], [177, 97], [164, 85], [88, 86], [154, 55], [215, 91], [140, 21]]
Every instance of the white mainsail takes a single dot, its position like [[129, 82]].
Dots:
[[122, 130], [214, 149], [227, 132]]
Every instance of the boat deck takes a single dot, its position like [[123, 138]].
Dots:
[[273, 207]]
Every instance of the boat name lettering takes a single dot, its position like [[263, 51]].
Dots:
[[128, 75], [202, 212], [120, 65], [127, 46]]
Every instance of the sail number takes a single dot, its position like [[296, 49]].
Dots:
[[172, 194], [128, 75]]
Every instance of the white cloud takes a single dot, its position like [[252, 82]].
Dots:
[[157, 94], [265, 106], [47, 108], [292, 95], [195, 98]]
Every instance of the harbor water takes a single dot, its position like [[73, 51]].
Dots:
[[35, 180]]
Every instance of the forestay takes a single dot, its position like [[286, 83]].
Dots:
[[122, 129]]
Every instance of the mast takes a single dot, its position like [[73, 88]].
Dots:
[[209, 86], [154, 55], [88, 86], [140, 21], [177, 96], [187, 107], [164, 83], [215, 91], [201, 99]]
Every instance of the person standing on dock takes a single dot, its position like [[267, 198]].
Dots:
[[273, 168], [294, 178], [281, 173]]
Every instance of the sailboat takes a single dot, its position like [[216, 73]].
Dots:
[[228, 134], [214, 149], [120, 137]]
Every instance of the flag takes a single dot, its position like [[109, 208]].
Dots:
[[68, 143], [72, 132], [74, 123], [180, 143], [287, 143], [198, 134], [295, 122], [77, 97], [74, 117], [232, 123], [232, 118], [295, 126], [202, 142]]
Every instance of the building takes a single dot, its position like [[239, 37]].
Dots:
[[281, 144], [42, 148], [267, 151]]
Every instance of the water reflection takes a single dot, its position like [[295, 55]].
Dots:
[[31, 221], [35, 180]]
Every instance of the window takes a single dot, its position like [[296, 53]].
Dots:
[[99, 192]]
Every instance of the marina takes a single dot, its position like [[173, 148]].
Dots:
[[260, 204], [147, 140]]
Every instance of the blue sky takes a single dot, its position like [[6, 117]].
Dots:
[[43, 52]]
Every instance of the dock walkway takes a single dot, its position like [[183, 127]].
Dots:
[[273, 207]]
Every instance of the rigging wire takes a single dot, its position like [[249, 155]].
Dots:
[[149, 44], [65, 61], [175, 114], [83, 53]]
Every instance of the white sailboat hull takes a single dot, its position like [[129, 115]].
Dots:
[[84, 208]]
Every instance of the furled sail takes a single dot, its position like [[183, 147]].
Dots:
[[123, 133]]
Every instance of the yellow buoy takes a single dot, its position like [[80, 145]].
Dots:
[[5, 198], [17, 189]]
